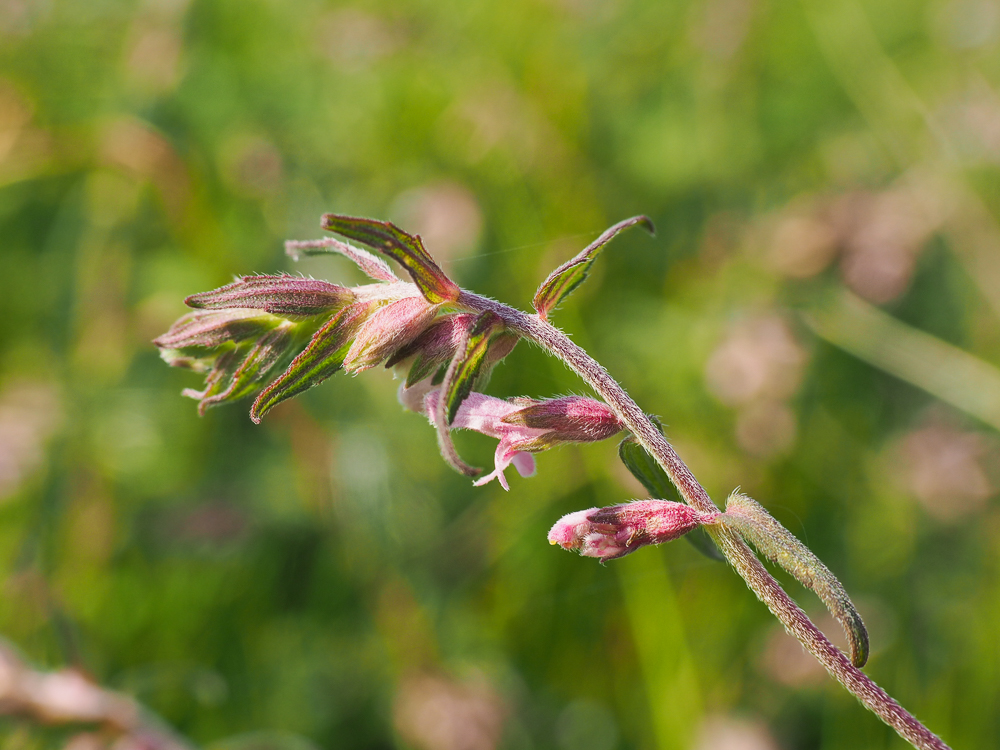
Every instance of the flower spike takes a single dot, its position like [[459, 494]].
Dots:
[[446, 341]]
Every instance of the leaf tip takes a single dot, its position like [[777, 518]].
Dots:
[[646, 223]]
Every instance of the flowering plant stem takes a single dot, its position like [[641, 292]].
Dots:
[[533, 328]]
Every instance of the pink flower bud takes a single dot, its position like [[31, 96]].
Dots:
[[390, 328], [615, 531], [434, 348], [285, 295], [571, 419]]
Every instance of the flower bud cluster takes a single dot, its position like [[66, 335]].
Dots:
[[239, 334], [275, 336], [243, 334]]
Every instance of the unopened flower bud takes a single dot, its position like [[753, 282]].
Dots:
[[433, 349], [285, 295], [615, 531], [390, 328], [571, 419], [208, 329]]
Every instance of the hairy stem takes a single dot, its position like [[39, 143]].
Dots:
[[767, 589]]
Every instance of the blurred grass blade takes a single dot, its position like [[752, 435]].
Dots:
[[405, 249], [652, 476], [953, 375], [567, 277], [750, 519]]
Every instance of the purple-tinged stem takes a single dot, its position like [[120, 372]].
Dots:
[[767, 589]]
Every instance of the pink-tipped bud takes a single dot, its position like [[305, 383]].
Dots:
[[388, 329], [212, 328], [615, 531], [434, 348], [285, 295], [571, 419]]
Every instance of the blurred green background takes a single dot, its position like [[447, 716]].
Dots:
[[816, 322]]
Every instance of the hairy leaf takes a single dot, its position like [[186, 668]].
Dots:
[[319, 360], [567, 277], [749, 518], [374, 267], [458, 381], [405, 249], [468, 362]]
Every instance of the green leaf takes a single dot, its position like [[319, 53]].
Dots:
[[752, 521], [468, 363], [652, 476], [323, 357], [459, 379], [239, 371], [374, 267], [405, 249], [567, 277]]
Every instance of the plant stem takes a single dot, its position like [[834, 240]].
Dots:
[[767, 589]]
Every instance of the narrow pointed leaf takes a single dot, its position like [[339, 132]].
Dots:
[[208, 329], [405, 249], [239, 372], [567, 277], [374, 267], [319, 360], [749, 518], [652, 476], [469, 362]]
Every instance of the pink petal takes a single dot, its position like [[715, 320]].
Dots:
[[524, 463]]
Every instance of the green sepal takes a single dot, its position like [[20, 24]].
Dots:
[[423, 365], [469, 362], [239, 371], [405, 249], [323, 357], [567, 277]]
